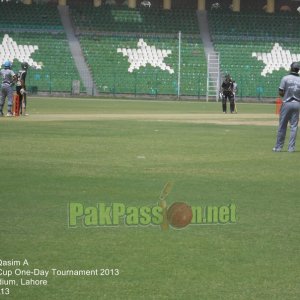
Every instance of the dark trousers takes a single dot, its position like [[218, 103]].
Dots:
[[230, 97], [22, 99]]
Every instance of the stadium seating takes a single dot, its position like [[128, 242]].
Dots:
[[102, 31], [108, 59], [122, 19], [39, 29], [20, 17], [253, 25], [245, 42], [53, 68], [108, 35]]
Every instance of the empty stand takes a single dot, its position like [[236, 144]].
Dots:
[[136, 50], [122, 19], [34, 33], [20, 17], [51, 65], [255, 48], [123, 64]]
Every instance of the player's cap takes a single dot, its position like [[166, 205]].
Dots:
[[295, 67]]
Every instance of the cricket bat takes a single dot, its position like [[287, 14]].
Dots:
[[163, 204]]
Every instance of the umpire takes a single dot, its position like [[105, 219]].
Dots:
[[289, 90], [227, 93]]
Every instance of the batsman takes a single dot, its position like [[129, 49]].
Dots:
[[21, 88]]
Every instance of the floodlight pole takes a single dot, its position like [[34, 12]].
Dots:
[[179, 64]]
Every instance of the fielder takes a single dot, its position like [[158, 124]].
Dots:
[[289, 89], [21, 88], [8, 79]]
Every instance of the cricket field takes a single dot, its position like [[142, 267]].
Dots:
[[82, 182]]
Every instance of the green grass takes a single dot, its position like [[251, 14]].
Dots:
[[89, 106], [45, 165]]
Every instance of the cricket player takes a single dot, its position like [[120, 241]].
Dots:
[[8, 79], [227, 93], [21, 87], [289, 90]]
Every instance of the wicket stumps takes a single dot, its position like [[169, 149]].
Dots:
[[16, 105], [278, 103]]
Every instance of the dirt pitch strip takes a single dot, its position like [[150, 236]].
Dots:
[[220, 119]]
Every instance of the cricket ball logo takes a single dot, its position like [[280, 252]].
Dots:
[[178, 215]]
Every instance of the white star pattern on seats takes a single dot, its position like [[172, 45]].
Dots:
[[144, 54], [276, 59], [10, 50]]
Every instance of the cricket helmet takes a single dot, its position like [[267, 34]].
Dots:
[[227, 77], [24, 65], [295, 67], [7, 64]]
